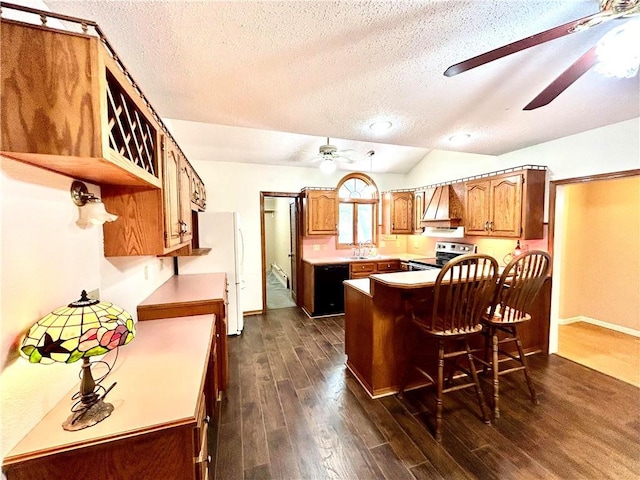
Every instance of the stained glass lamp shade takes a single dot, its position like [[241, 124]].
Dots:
[[80, 330]]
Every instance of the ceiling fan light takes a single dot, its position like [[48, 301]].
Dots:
[[327, 166], [619, 51], [380, 127]]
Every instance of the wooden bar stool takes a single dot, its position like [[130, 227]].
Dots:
[[518, 286], [462, 294]]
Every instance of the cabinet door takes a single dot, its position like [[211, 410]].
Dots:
[[402, 212], [321, 212], [476, 220], [171, 193], [418, 210], [505, 216], [186, 175]]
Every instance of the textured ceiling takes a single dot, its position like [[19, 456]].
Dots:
[[320, 68]]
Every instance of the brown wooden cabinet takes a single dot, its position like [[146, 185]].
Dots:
[[77, 111], [73, 109], [418, 210], [397, 213], [364, 269], [163, 405], [320, 212], [507, 205]]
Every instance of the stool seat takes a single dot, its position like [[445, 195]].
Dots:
[[518, 286], [462, 293]]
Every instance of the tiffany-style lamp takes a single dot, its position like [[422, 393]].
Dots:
[[82, 329]]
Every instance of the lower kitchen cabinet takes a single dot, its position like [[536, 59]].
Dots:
[[159, 425], [364, 269]]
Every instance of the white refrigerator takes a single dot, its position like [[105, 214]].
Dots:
[[222, 232]]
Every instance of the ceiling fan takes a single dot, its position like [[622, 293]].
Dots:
[[609, 10], [329, 154]]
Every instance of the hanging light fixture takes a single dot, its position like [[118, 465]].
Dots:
[[619, 51], [370, 190], [327, 166]]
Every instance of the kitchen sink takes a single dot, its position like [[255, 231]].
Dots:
[[365, 257]]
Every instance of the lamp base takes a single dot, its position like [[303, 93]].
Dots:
[[88, 417]]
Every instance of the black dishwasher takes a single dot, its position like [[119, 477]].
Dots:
[[328, 289]]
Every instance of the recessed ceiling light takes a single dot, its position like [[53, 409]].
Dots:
[[379, 127], [459, 138]]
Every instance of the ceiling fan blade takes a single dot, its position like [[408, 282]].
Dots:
[[566, 78], [517, 46]]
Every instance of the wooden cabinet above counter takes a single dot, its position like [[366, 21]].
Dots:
[[320, 209], [70, 106]]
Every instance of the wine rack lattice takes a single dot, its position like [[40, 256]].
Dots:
[[130, 134]]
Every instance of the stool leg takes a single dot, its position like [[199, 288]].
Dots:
[[523, 360], [440, 388], [474, 374], [495, 371]]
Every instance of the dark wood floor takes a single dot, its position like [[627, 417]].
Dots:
[[292, 410]]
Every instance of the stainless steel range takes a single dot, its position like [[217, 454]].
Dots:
[[445, 251]]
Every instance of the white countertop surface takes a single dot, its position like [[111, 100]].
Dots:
[[362, 284], [413, 279]]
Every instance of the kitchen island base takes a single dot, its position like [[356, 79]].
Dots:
[[376, 331]]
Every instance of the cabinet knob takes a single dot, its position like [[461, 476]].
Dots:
[[486, 225], [491, 225]]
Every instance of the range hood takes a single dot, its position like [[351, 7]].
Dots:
[[443, 207], [443, 232]]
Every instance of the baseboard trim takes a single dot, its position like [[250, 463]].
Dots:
[[600, 323]]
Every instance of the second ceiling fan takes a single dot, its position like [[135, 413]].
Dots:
[[609, 10]]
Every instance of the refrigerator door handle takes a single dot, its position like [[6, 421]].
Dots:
[[242, 284], [241, 249]]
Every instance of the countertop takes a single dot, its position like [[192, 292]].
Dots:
[[349, 259], [361, 284], [197, 291], [146, 370], [413, 279]]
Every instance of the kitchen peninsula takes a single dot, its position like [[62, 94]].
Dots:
[[376, 329]]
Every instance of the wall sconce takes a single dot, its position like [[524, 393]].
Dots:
[[82, 329], [92, 211]]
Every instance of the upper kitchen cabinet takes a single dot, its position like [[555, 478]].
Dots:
[[397, 212], [418, 210], [443, 206], [506, 205], [152, 221], [320, 212], [177, 183], [68, 105]]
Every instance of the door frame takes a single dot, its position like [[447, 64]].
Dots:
[[298, 200], [555, 286]]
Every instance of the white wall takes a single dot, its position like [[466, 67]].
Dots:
[[237, 187], [46, 261], [607, 149]]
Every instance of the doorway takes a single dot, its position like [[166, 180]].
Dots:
[[594, 233], [280, 249]]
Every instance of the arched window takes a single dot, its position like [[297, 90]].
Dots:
[[357, 211]]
